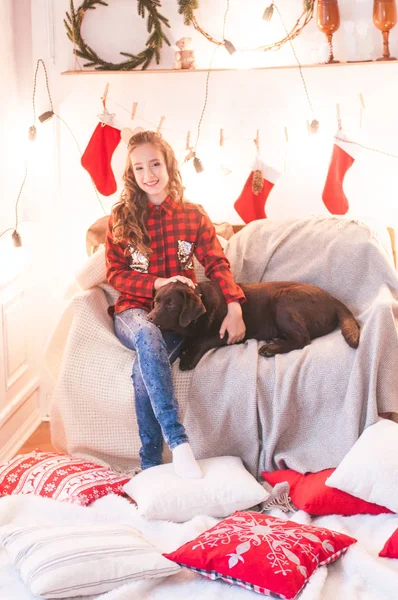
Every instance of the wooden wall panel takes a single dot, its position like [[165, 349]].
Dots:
[[14, 339]]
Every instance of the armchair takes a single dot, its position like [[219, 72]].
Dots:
[[303, 410]]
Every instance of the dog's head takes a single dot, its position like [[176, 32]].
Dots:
[[175, 307]]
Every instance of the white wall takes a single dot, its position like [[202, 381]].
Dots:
[[8, 113], [239, 102], [60, 196], [19, 365]]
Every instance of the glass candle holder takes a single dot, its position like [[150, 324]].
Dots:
[[385, 18], [328, 21]]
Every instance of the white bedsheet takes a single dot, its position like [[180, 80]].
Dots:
[[359, 575]]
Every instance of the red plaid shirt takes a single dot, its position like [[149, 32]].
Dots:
[[177, 231]]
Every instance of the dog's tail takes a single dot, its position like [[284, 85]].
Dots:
[[349, 326]]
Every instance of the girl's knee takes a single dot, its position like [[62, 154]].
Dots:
[[148, 332]]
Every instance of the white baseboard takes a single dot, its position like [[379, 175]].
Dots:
[[20, 437], [20, 426]]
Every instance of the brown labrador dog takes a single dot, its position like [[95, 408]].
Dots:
[[287, 315]]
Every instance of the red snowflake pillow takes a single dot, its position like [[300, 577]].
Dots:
[[59, 476], [390, 549], [262, 553], [309, 492]]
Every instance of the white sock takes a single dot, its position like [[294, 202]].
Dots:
[[184, 462]]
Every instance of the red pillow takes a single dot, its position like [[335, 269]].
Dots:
[[309, 493], [390, 549], [59, 476], [261, 553]]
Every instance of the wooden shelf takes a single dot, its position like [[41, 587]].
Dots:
[[273, 67]]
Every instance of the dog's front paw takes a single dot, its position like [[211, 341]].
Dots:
[[188, 361], [269, 349], [185, 366], [185, 362]]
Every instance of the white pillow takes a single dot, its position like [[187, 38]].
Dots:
[[93, 271], [370, 469], [64, 562], [226, 486]]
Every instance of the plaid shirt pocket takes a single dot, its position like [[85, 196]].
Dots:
[[185, 254], [138, 261]]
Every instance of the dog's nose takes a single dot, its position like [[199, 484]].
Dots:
[[151, 319]]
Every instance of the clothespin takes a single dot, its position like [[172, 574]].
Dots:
[[160, 124], [190, 153], [105, 117], [224, 170], [286, 149], [188, 144], [257, 141], [135, 104], [361, 111], [257, 161], [339, 124], [104, 97]]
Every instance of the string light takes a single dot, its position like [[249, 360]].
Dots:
[[229, 47], [313, 127], [302, 21], [336, 137], [314, 124], [16, 239], [32, 131], [268, 13], [46, 116], [197, 163], [32, 135]]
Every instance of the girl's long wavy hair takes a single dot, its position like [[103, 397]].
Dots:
[[130, 213]]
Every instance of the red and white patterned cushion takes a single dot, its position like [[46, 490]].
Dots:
[[308, 492], [390, 549], [59, 476], [262, 553]]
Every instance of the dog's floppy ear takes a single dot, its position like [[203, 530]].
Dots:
[[192, 308]]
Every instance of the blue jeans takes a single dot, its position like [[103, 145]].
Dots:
[[155, 402]]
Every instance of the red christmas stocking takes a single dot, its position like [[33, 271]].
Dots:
[[343, 157], [251, 203], [97, 157]]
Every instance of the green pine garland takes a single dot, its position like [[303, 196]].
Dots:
[[155, 24], [154, 43]]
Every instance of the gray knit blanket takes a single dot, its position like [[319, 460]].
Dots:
[[303, 410]]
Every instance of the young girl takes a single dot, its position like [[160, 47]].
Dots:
[[152, 236]]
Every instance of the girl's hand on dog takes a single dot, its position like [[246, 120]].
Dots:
[[233, 324], [161, 281]]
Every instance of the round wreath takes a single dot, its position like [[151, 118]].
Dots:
[[187, 9], [154, 43]]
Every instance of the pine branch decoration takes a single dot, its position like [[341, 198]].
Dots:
[[155, 26], [187, 8]]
